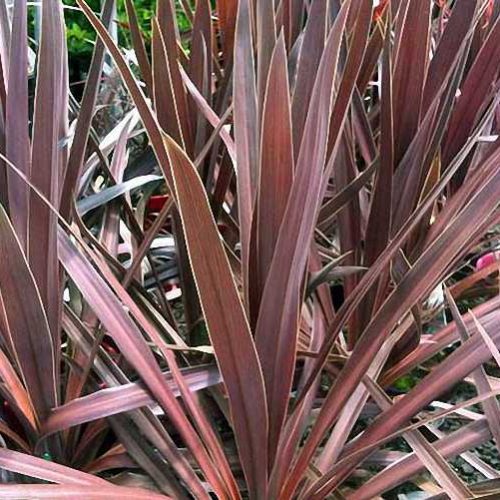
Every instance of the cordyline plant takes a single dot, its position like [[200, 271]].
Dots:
[[216, 291]]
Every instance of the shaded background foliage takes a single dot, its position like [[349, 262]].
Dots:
[[81, 37]]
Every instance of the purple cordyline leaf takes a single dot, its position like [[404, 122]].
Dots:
[[246, 131], [47, 471], [110, 232], [309, 58], [333, 447], [474, 91], [107, 402], [16, 438], [28, 329], [5, 35], [443, 473], [210, 115], [15, 393], [276, 175], [17, 141], [226, 321], [291, 18], [167, 23], [457, 28], [363, 130], [111, 461], [294, 427], [372, 56], [488, 313], [277, 323], [410, 69], [165, 99], [487, 339], [227, 10], [329, 210], [265, 43], [46, 158], [348, 222], [200, 61], [379, 222]]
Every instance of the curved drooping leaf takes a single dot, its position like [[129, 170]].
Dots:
[[25, 318], [108, 194], [48, 471], [107, 402]]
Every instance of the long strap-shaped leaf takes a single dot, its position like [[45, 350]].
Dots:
[[114, 400], [409, 73], [139, 46], [475, 88], [46, 158], [265, 41], [487, 312], [490, 406], [14, 388], [227, 15], [169, 30], [17, 140], [26, 321], [245, 127], [275, 175], [309, 59], [227, 324], [277, 323], [41, 469]]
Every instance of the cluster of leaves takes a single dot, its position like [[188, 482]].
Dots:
[[329, 169]]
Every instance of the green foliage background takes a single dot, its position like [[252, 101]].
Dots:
[[81, 36]]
